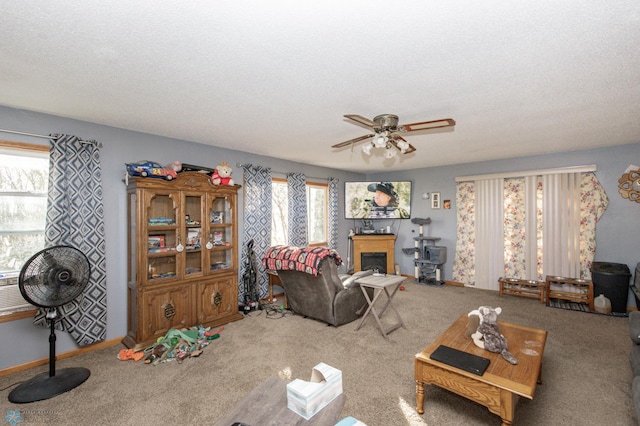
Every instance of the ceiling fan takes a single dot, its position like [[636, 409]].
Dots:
[[386, 133]]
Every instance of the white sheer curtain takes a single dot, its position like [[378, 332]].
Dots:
[[531, 228], [527, 225], [561, 224], [489, 232]]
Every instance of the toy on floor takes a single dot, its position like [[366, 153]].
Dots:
[[487, 335], [176, 345]]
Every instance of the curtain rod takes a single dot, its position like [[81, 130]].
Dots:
[[35, 135], [507, 175], [282, 173]]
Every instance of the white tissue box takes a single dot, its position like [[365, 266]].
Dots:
[[307, 398]]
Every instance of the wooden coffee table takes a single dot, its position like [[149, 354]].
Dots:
[[502, 384]]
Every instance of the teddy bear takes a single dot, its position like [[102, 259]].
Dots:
[[222, 174], [487, 335], [176, 166]]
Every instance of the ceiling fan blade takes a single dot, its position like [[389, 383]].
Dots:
[[360, 119], [352, 141], [424, 125], [397, 138]]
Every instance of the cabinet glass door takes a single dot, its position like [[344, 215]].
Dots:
[[193, 230], [220, 238], [162, 236]]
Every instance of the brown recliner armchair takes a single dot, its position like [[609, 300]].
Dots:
[[317, 290]]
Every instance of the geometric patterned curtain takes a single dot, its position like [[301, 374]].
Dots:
[[75, 217], [257, 222], [297, 205], [333, 213]]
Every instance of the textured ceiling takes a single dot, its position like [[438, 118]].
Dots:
[[275, 78]]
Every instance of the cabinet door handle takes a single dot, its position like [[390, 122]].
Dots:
[[216, 299], [169, 311]]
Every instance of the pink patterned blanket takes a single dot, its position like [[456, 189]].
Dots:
[[290, 258]]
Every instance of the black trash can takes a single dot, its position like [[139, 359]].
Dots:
[[612, 280], [635, 286]]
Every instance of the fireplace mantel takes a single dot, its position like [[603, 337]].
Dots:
[[373, 243]]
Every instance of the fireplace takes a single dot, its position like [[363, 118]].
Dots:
[[372, 244], [375, 261]]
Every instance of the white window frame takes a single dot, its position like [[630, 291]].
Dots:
[[9, 292], [314, 185], [284, 222], [325, 187]]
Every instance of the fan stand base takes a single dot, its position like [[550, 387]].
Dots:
[[44, 386]]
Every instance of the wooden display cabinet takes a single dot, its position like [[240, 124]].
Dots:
[[183, 255]]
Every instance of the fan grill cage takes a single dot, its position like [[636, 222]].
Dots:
[[54, 276]]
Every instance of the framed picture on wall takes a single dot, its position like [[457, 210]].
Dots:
[[435, 200]]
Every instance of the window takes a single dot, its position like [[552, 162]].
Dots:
[[317, 213], [317, 205], [279, 212], [24, 174]]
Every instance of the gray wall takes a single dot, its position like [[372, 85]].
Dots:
[[618, 235], [618, 231], [120, 146]]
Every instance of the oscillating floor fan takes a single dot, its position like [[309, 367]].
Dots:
[[49, 279]]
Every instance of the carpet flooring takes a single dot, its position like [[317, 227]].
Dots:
[[581, 307], [586, 377]]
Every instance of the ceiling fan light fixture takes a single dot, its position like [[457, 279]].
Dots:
[[403, 146], [389, 152], [366, 148], [380, 141], [385, 136]]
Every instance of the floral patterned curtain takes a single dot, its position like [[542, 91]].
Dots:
[[593, 203], [464, 262], [516, 229]]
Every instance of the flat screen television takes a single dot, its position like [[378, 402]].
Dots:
[[377, 200]]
